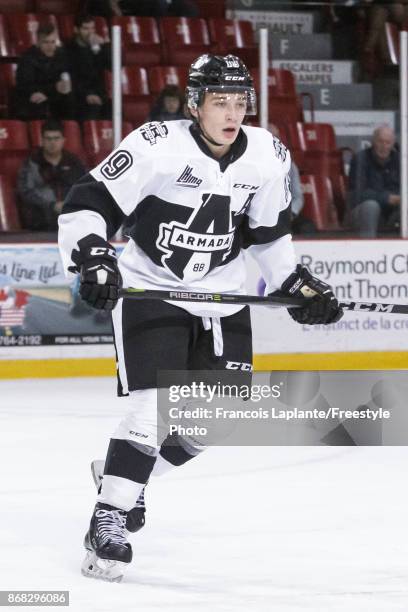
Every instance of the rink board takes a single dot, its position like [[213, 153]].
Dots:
[[51, 337], [74, 367]]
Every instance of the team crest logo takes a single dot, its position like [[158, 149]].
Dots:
[[152, 131], [193, 248]]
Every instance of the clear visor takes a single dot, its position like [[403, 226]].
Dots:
[[195, 96]]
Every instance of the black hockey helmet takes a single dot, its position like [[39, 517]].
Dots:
[[216, 73]]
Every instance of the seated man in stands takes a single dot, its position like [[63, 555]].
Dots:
[[88, 57], [45, 179], [374, 185], [43, 86]]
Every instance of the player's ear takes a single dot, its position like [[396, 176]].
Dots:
[[192, 111]]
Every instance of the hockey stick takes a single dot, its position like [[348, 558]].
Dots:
[[227, 298]]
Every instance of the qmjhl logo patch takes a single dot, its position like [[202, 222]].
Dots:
[[187, 179]]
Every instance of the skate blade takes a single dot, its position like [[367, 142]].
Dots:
[[102, 569]]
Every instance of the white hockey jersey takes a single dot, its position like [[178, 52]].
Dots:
[[192, 214]]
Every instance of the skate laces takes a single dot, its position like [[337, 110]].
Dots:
[[111, 526]]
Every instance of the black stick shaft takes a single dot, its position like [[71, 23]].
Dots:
[[226, 298]]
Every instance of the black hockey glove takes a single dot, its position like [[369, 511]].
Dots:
[[323, 307], [100, 277]]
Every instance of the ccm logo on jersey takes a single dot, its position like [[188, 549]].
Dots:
[[245, 186], [237, 365]]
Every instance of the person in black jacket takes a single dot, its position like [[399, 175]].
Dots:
[[88, 57], [43, 84], [45, 179], [374, 184]]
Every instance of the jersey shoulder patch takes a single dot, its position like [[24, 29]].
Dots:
[[154, 131], [281, 151]]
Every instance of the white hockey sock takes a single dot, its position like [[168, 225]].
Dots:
[[119, 492]]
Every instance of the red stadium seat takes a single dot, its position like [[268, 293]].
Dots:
[[211, 8], [184, 39], [98, 139], [23, 29], [285, 109], [280, 82], [236, 37], [9, 218], [162, 76], [13, 147], [7, 85], [319, 202], [72, 134], [318, 136], [316, 143], [66, 27], [16, 6], [6, 46], [141, 40], [57, 7], [136, 94]]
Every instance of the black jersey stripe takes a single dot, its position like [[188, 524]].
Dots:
[[263, 234], [90, 194]]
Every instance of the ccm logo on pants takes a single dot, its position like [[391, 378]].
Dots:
[[237, 365]]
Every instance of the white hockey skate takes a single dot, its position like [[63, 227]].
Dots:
[[108, 551], [135, 519]]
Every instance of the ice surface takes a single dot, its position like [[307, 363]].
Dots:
[[238, 529]]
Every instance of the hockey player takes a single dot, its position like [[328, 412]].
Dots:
[[200, 191]]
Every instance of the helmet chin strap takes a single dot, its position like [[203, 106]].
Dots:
[[206, 136]]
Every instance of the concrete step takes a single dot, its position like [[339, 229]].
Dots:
[[318, 46], [315, 72], [357, 96]]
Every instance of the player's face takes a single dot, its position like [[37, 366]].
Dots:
[[221, 116]]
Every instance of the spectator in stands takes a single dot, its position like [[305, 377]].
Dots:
[[375, 44], [45, 178], [144, 8], [300, 224], [43, 84], [374, 184], [169, 105], [88, 57]]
